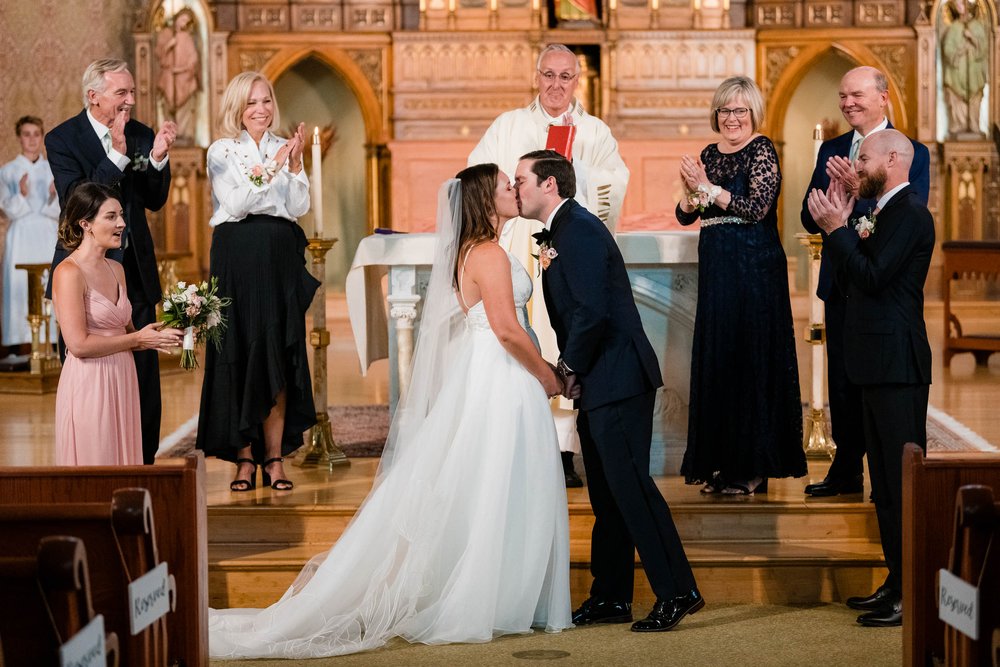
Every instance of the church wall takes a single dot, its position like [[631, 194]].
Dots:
[[46, 45]]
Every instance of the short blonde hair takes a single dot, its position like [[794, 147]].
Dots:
[[234, 103], [93, 76], [730, 88]]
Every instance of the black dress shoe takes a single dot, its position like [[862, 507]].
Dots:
[[835, 487], [882, 598], [600, 611], [890, 616], [573, 480], [667, 614]]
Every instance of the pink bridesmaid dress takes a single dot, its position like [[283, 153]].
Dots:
[[97, 402]]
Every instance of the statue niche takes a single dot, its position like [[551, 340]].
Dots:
[[964, 36], [178, 80]]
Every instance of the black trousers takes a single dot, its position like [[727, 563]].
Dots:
[[630, 514], [893, 416], [845, 396]]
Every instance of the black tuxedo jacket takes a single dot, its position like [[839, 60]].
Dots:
[[76, 156], [589, 300], [919, 178], [885, 340]]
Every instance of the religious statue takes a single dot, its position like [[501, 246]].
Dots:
[[965, 50], [179, 78]]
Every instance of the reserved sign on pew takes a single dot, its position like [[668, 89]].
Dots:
[[958, 604], [86, 648], [150, 596]]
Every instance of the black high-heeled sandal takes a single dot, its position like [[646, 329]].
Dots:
[[241, 485], [277, 484]]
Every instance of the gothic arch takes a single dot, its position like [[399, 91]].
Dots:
[[343, 64], [780, 93]]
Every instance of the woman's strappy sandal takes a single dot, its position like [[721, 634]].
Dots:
[[241, 485], [277, 484]]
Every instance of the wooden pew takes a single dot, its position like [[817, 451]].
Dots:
[[968, 259], [975, 558], [120, 537], [176, 489], [44, 601], [930, 485]]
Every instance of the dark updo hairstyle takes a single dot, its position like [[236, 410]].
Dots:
[[83, 204]]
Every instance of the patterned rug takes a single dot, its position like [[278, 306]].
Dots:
[[361, 430]]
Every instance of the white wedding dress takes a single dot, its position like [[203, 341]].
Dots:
[[464, 539]]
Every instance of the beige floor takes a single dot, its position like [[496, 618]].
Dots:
[[969, 393]]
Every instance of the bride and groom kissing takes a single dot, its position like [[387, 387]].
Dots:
[[464, 536]]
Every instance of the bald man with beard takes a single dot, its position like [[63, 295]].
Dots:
[[881, 262]]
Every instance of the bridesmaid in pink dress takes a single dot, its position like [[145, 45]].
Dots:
[[97, 402]]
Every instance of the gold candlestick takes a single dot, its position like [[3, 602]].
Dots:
[[815, 440], [43, 362], [321, 450]]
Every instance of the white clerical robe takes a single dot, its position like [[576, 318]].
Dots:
[[601, 180]]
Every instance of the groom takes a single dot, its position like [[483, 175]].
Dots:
[[605, 353]]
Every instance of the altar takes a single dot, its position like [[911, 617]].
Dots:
[[388, 278]]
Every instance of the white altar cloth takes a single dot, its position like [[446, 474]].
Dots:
[[378, 252]]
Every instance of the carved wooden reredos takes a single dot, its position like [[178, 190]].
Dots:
[[430, 75]]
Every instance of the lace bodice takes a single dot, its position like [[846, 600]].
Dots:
[[476, 320]]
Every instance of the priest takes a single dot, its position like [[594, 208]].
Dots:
[[601, 178]]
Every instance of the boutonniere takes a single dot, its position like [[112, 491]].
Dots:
[[865, 225], [546, 253], [139, 162], [704, 196], [262, 173]]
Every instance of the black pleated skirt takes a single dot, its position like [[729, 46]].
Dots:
[[260, 263]]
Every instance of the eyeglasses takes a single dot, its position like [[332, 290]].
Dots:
[[551, 77], [739, 112]]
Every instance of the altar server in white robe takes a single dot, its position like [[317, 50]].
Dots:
[[28, 197], [601, 178]]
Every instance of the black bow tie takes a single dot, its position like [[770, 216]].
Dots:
[[543, 237]]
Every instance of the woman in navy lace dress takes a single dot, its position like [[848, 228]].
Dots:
[[745, 417]]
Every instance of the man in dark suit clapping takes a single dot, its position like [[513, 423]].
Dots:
[[864, 94], [104, 145], [881, 263], [604, 351]]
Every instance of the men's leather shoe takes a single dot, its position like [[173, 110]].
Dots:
[[601, 611], [882, 598], [573, 480], [887, 617], [835, 487], [667, 614]]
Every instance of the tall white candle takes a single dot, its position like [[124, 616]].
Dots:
[[493, 5], [817, 141], [317, 185], [655, 5]]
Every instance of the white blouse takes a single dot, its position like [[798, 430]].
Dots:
[[231, 164]]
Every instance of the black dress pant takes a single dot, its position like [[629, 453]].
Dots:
[[630, 513], [845, 396], [893, 416]]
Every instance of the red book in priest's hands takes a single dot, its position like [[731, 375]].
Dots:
[[560, 140]]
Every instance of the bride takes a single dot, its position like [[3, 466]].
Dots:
[[464, 536]]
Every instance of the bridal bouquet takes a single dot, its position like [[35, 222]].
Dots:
[[197, 309]]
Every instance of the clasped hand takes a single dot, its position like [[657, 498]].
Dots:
[[831, 209], [155, 336], [292, 150], [566, 384]]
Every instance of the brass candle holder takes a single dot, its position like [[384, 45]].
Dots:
[[43, 360], [321, 450], [816, 442]]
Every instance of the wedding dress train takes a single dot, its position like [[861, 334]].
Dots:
[[466, 537]]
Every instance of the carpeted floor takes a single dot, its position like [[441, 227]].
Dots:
[[719, 635], [361, 430]]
